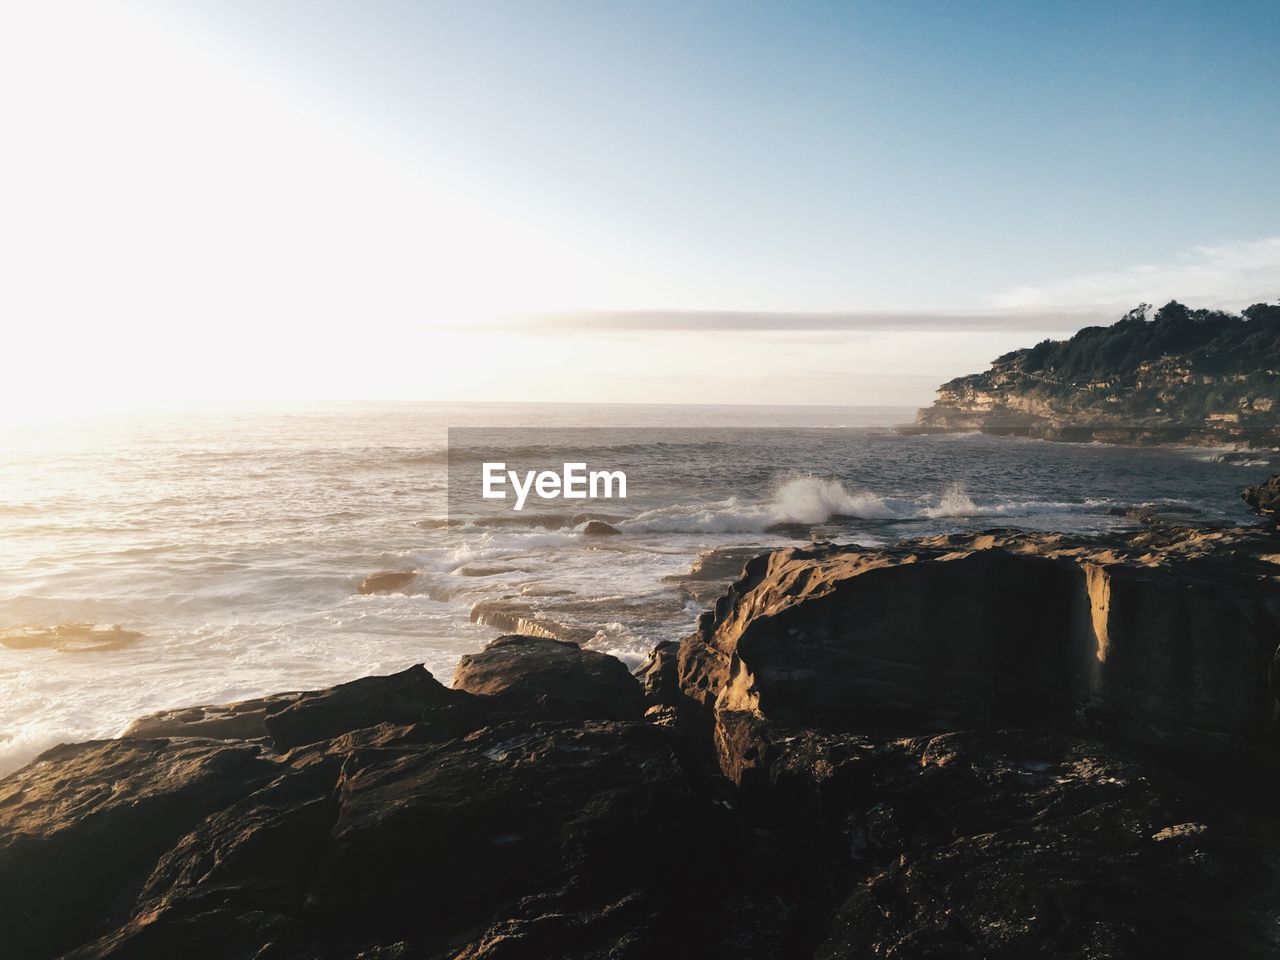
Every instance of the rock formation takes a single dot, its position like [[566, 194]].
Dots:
[[386, 581], [1000, 746], [1264, 499], [556, 676], [1180, 376]]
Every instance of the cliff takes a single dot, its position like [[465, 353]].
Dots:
[[1178, 376], [996, 745]]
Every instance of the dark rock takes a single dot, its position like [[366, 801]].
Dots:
[[549, 832], [554, 675], [479, 571], [994, 629], [522, 839], [996, 746], [790, 528], [387, 581], [598, 528], [659, 675], [1264, 499], [83, 824], [411, 696], [580, 518], [1010, 845]]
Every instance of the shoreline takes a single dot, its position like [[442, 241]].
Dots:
[[1083, 434], [849, 736]]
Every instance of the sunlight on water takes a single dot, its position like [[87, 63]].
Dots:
[[227, 547]]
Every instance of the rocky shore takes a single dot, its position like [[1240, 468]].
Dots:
[[996, 745]]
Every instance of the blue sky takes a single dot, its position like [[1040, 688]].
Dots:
[[435, 172], [847, 155]]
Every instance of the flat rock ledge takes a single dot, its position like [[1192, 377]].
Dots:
[[1000, 745]]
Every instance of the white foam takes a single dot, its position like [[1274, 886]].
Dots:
[[956, 502], [799, 499], [810, 499]]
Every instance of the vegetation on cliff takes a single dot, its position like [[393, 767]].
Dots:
[[1205, 375]]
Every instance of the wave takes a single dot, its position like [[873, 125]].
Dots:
[[803, 500], [1235, 460], [424, 457], [810, 499], [955, 503]]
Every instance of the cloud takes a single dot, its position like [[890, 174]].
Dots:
[[1228, 276], [746, 321]]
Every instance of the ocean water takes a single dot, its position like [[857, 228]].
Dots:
[[233, 541]]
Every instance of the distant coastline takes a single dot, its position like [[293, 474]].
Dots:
[[1178, 377]]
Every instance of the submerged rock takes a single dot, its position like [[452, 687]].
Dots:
[[555, 675], [386, 581], [598, 528], [659, 675], [69, 638]]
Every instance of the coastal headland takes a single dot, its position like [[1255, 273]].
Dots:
[[1175, 376]]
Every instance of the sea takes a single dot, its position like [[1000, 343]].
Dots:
[[228, 544]]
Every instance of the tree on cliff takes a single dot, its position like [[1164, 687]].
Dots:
[[1204, 341]]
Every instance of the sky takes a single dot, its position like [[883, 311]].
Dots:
[[658, 202]]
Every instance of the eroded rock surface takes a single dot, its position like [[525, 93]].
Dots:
[[1162, 636]]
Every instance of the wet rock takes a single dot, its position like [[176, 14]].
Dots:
[[659, 675], [549, 831], [521, 616], [554, 675], [1146, 631], [1012, 845], [481, 571], [712, 572], [580, 518], [387, 581], [790, 528], [144, 849], [1264, 499], [598, 528]]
